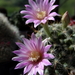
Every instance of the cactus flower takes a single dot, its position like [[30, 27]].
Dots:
[[39, 11], [32, 55]]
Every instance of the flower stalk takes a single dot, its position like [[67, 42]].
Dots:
[[46, 29]]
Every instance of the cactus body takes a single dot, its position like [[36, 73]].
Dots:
[[9, 34], [63, 47]]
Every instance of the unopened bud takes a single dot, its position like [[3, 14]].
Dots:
[[65, 19]]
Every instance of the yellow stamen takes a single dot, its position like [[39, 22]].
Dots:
[[41, 14], [34, 56]]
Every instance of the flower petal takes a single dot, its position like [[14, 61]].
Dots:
[[46, 62], [33, 4], [52, 2], [33, 71], [17, 52], [25, 12], [47, 48], [45, 5], [36, 23], [27, 44], [51, 18], [41, 66], [20, 58], [45, 2], [29, 21], [48, 56], [39, 44], [44, 21], [28, 16], [21, 45], [28, 68], [33, 37], [40, 71], [21, 65], [28, 7], [53, 7], [20, 52], [54, 14]]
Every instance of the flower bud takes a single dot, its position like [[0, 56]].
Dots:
[[65, 19]]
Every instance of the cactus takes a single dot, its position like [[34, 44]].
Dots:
[[63, 47], [9, 34]]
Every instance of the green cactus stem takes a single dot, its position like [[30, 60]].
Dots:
[[46, 29]]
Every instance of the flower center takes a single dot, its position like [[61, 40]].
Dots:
[[34, 56], [41, 14]]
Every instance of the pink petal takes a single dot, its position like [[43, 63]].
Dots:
[[52, 2], [20, 58], [28, 16], [21, 45], [20, 65], [51, 8], [44, 21], [33, 4], [48, 56], [51, 18], [17, 52], [33, 71], [45, 2], [47, 48], [31, 44], [39, 1], [28, 68], [25, 12], [33, 37], [41, 65], [45, 5], [29, 21], [40, 71], [27, 44], [20, 51], [39, 44], [46, 62], [53, 14], [28, 7], [36, 42], [36, 23]]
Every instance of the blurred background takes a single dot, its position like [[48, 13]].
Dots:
[[13, 6]]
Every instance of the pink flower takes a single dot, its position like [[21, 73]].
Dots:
[[32, 55], [39, 11]]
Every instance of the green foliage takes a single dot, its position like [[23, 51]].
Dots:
[[20, 3], [9, 6], [12, 9], [67, 5]]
